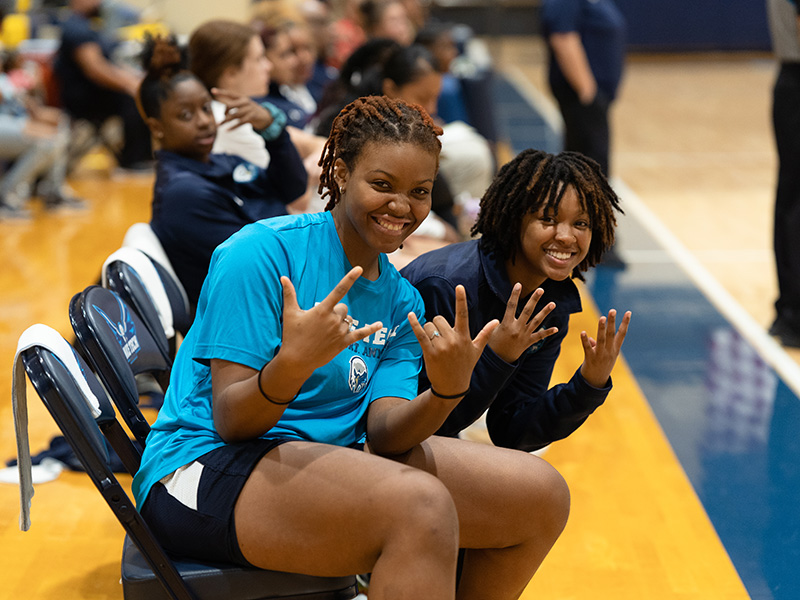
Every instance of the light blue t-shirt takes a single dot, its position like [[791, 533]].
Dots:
[[239, 320]]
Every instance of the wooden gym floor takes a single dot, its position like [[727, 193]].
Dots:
[[684, 485]]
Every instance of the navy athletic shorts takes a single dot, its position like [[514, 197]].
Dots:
[[191, 510]]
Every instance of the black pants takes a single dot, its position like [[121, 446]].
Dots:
[[586, 128], [100, 105], [786, 122]]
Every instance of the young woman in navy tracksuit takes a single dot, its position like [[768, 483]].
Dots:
[[543, 221], [200, 199]]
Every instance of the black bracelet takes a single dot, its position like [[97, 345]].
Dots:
[[453, 397], [263, 393]]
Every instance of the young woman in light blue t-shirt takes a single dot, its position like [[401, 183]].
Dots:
[[292, 436]]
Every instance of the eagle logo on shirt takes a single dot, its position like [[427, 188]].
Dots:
[[245, 173], [357, 380]]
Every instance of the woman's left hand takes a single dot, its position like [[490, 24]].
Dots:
[[242, 109], [450, 354], [601, 354]]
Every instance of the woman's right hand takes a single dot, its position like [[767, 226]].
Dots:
[[242, 109], [515, 335], [312, 338]]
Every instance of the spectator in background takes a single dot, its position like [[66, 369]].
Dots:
[[34, 139], [302, 43], [317, 16], [784, 20], [438, 39], [93, 88], [229, 58], [586, 39], [285, 66], [199, 198], [347, 32], [387, 19]]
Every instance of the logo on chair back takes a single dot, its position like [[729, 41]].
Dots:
[[358, 374], [124, 331]]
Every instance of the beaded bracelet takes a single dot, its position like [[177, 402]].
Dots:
[[263, 393], [278, 124], [453, 397]]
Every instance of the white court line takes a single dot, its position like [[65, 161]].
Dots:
[[770, 350]]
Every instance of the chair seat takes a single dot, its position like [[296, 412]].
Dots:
[[212, 582]]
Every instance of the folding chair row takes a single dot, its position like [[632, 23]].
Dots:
[[124, 332], [83, 412]]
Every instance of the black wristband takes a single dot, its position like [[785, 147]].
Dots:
[[263, 393], [453, 397]]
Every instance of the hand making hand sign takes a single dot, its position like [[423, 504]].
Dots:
[[516, 334], [313, 337], [450, 353], [601, 353]]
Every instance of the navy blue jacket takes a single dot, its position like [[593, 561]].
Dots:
[[295, 115], [197, 206], [523, 413]]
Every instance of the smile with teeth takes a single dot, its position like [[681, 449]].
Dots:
[[558, 255], [389, 225]]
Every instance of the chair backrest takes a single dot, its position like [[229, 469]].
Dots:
[[150, 290], [148, 573], [60, 391], [142, 237], [118, 346]]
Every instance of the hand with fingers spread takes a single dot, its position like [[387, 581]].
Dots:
[[515, 334], [242, 109], [312, 338], [601, 354], [450, 353]]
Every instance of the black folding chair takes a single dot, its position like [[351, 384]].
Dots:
[[148, 573], [151, 290], [142, 237], [118, 346]]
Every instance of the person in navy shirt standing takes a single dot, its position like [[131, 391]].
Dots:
[[200, 199], [544, 219], [586, 39]]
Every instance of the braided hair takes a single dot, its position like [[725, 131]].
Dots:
[[165, 65], [373, 119], [534, 180]]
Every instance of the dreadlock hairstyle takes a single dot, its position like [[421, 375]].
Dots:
[[373, 119], [534, 180], [165, 65]]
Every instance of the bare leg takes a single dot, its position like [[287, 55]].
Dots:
[[512, 507], [324, 510]]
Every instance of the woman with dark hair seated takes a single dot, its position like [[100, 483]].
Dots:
[[201, 198]]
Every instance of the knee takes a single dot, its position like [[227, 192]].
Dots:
[[555, 501], [423, 507]]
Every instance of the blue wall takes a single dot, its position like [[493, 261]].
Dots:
[[693, 25]]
